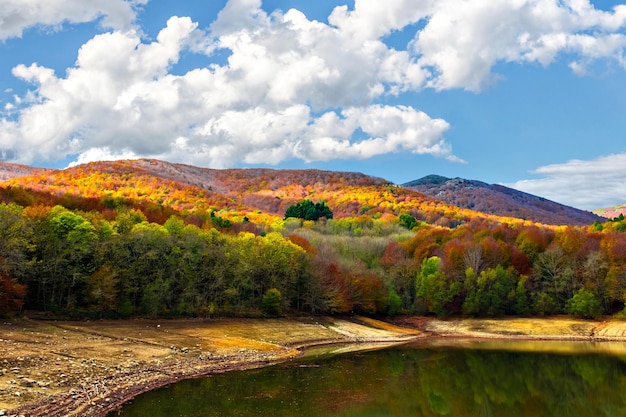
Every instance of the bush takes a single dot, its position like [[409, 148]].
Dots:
[[271, 304], [308, 210], [584, 304], [394, 303]]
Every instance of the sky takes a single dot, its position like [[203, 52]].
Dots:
[[530, 94]]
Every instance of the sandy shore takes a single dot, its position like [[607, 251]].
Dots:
[[91, 368]]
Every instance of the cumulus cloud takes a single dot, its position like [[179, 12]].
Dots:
[[291, 87], [588, 185], [464, 40], [18, 15], [286, 92]]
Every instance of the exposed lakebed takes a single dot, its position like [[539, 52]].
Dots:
[[444, 378]]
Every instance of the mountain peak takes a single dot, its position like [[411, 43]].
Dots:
[[427, 180], [500, 201]]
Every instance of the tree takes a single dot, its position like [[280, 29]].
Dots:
[[394, 302], [271, 305], [11, 295], [554, 272], [584, 303], [65, 246], [492, 293], [307, 210], [432, 288], [102, 290], [15, 241], [408, 221]]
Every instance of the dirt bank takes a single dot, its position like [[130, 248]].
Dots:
[[553, 328], [90, 368]]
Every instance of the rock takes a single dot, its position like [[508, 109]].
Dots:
[[27, 382]]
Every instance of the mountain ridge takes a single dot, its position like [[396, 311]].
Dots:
[[500, 200], [185, 187]]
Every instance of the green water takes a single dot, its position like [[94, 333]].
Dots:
[[411, 380]]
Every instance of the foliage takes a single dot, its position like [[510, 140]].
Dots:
[[271, 303], [307, 210], [394, 303], [143, 238], [11, 295], [584, 303], [433, 289], [408, 221], [492, 293]]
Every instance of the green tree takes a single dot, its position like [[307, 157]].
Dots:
[[492, 293], [408, 221], [584, 303], [433, 291], [307, 210], [271, 305], [65, 248], [394, 303], [16, 241]]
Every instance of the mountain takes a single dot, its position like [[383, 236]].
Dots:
[[8, 171], [160, 189], [500, 201], [611, 212], [262, 196]]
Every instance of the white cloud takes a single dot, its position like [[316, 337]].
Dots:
[[102, 154], [588, 185], [18, 15], [292, 87], [276, 99], [463, 40]]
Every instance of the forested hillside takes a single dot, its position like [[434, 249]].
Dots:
[[8, 171], [149, 238], [500, 201]]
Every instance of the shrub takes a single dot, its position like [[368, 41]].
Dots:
[[584, 304], [271, 304]]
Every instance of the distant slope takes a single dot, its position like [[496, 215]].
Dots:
[[611, 212], [500, 201], [158, 187], [161, 188], [8, 171]]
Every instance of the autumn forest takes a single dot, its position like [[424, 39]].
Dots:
[[151, 239]]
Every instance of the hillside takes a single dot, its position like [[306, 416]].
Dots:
[[500, 201], [146, 238], [258, 194], [611, 212], [8, 171]]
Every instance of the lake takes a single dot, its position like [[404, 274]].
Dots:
[[420, 379]]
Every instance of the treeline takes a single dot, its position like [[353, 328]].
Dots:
[[119, 264]]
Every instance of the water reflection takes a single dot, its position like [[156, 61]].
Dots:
[[410, 380]]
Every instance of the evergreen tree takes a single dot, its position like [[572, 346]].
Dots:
[[307, 210]]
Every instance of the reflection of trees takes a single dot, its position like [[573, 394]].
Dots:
[[515, 384], [407, 382]]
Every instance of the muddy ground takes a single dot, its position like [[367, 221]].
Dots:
[[90, 368]]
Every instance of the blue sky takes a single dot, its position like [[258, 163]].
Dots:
[[527, 93]]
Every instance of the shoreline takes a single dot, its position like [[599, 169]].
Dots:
[[99, 395]]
